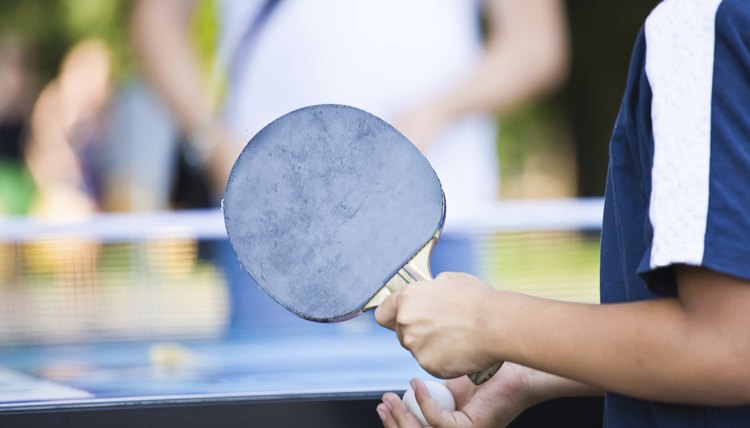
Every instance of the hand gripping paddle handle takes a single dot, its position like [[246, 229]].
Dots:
[[418, 269]]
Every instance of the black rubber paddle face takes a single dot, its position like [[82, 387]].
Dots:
[[325, 204]]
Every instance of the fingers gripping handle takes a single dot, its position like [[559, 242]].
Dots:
[[418, 269]]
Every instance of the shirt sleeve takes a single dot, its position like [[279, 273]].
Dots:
[[698, 67]]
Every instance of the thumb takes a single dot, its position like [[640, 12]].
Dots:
[[385, 313]]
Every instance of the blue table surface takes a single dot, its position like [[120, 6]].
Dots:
[[327, 359]]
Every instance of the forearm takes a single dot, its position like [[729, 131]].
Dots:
[[502, 82], [650, 349], [51, 159], [160, 38], [526, 55], [550, 386], [161, 43]]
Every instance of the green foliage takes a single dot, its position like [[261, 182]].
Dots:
[[536, 143], [561, 265], [16, 188], [50, 27], [204, 29]]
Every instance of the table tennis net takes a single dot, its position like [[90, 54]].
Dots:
[[156, 276]]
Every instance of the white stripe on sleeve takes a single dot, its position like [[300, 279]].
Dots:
[[679, 66]]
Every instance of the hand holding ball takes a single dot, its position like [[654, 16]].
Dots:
[[439, 393]]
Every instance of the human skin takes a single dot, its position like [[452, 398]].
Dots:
[[690, 349], [526, 55]]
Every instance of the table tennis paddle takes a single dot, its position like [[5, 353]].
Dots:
[[330, 209]]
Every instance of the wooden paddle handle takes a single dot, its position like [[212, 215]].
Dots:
[[481, 377]]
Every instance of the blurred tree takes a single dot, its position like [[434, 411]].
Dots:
[[50, 27], [602, 34]]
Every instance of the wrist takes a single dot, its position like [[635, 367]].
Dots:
[[201, 143], [493, 315], [540, 387], [454, 106], [543, 386], [443, 110]]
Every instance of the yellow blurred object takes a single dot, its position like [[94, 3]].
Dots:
[[65, 257], [61, 255], [174, 256], [170, 355], [204, 32], [7, 263]]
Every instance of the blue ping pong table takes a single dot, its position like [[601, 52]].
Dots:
[[326, 377]]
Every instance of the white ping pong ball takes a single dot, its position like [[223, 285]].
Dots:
[[439, 392]]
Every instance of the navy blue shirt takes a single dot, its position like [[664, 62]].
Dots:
[[678, 187]]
